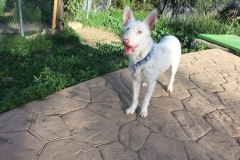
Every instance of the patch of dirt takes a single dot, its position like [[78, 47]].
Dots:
[[91, 36]]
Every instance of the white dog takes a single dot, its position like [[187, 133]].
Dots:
[[147, 59]]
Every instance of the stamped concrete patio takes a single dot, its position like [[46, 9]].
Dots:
[[199, 120]]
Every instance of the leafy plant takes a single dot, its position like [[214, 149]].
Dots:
[[207, 6], [2, 6], [124, 3], [30, 12], [73, 12]]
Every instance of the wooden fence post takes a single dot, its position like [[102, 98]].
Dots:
[[54, 14], [60, 15]]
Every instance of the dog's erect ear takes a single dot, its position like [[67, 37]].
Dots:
[[151, 19], [127, 15]]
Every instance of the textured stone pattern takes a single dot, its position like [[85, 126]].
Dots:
[[200, 120]]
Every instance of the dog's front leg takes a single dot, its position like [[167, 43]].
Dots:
[[136, 89], [144, 110]]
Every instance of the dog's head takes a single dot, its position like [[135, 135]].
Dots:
[[136, 33]]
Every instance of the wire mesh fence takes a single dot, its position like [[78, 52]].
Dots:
[[28, 16], [96, 5]]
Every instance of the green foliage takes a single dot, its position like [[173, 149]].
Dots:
[[73, 12], [32, 69], [31, 14], [134, 4], [111, 20], [206, 6], [2, 6], [201, 6], [32, 11], [235, 26], [68, 36], [194, 25], [238, 53], [124, 3], [189, 28], [199, 47]]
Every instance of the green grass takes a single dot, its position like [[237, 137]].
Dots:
[[32, 69], [110, 20]]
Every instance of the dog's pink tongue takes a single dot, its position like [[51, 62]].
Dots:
[[128, 49]]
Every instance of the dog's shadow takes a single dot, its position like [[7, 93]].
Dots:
[[164, 87]]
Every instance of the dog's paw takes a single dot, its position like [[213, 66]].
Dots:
[[130, 110], [143, 114], [169, 89], [144, 84]]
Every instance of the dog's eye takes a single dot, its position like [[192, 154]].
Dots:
[[127, 28], [139, 32]]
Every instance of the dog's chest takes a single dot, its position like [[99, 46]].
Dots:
[[144, 73], [147, 72]]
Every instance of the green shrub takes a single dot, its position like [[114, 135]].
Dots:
[[124, 3], [30, 12], [73, 12], [2, 6]]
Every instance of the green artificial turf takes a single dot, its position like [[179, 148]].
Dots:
[[228, 41]]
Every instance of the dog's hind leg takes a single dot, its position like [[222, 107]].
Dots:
[[148, 95], [136, 89], [174, 68]]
